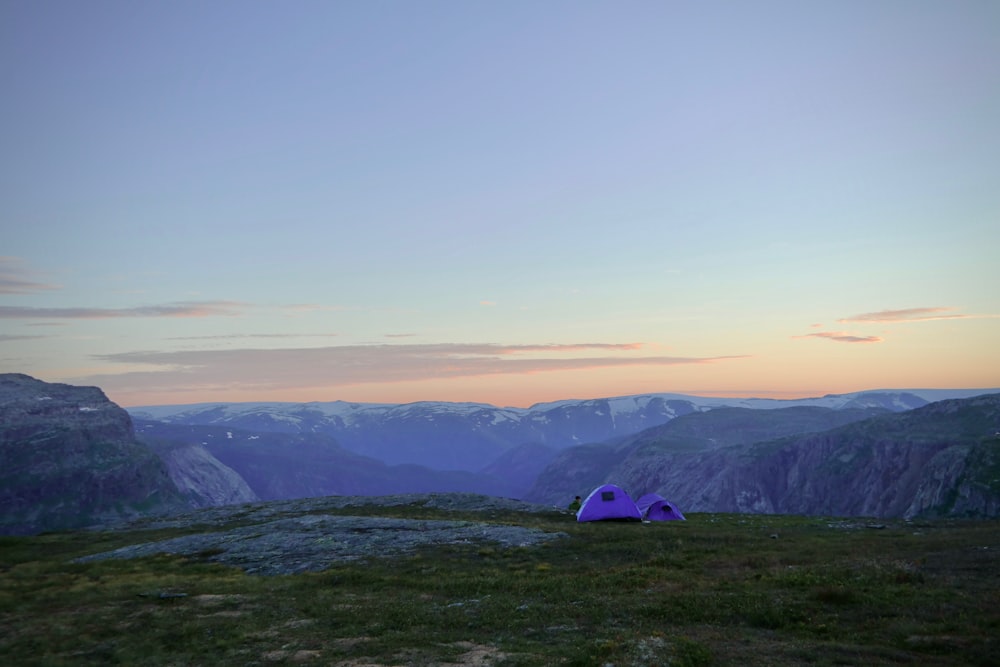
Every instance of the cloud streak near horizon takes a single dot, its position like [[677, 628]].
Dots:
[[179, 309], [8, 337], [256, 335], [15, 279], [898, 316], [907, 315], [842, 337], [296, 368]]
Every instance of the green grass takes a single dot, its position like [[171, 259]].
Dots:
[[715, 590]]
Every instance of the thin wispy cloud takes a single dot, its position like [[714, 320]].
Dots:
[[907, 315], [16, 278], [182, 309], [842, 337], [568, 347], [6, 337], [897, 316], [297, 368], [251, 336], [310, 307]]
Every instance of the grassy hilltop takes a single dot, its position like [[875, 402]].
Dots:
[[719, 589]]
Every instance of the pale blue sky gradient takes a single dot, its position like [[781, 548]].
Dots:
[[506, 202]]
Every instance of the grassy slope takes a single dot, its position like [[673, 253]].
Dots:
[[717, 589]]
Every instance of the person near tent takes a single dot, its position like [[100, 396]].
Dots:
[[575, 505]]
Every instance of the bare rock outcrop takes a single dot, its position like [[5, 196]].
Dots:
[[311, 534]]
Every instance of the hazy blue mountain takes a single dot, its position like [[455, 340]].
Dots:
[[470, 436], [519, 466], [299, 465]]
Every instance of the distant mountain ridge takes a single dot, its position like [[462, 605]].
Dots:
[[470, 436]]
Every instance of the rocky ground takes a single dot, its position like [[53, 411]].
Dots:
[[292, 536]]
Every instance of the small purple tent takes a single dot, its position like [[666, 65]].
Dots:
[[608, 502], [654, 507]]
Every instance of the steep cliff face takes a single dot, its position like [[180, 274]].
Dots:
[[661, 452], [68, 458], [203, 479], [940, 460]]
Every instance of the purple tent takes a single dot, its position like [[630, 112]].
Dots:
[[608, 502], [654, 507]]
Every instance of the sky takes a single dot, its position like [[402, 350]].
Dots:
[[501, 202]]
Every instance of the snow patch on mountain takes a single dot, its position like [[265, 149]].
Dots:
[[619, 405]]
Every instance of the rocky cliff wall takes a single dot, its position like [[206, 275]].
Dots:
[[941, 460], [68, 458], [203, 479]]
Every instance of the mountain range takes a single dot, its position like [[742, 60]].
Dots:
[[877, 453], [470, 436]]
